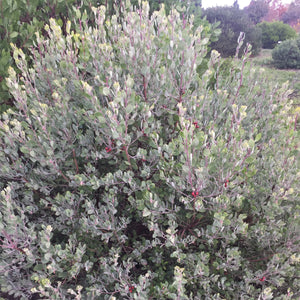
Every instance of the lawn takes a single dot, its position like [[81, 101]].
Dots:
[[264, 59]]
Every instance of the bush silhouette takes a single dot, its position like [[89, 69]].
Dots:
[[287, 55]]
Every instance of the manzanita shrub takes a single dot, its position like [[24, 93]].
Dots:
[[125, 174]]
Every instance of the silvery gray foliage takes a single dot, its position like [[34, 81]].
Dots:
[[127, 175]]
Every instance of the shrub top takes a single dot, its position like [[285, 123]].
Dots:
[[287, 54]]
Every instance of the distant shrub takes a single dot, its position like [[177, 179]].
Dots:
[[127, 174], [273, 32], [287, 55]]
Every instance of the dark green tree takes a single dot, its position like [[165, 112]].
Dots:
[[236, 4], [292, 15], [256, 10], [233, 21], [273, 32]]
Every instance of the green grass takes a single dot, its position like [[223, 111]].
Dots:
[[264, 60]]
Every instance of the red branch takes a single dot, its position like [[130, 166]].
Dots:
[[145, 88], [75, 161]]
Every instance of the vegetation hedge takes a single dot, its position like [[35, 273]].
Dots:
[[274, 32], [232, 21], [127, 174]]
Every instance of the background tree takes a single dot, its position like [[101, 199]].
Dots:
[[256, 10], [276, 10], [232, 22], [273, 32], [292, 15], [236, 4]]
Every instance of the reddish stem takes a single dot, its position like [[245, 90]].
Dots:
[[75, 161], [145, 88]]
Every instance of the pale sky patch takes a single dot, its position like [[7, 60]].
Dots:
[[242, 3]]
